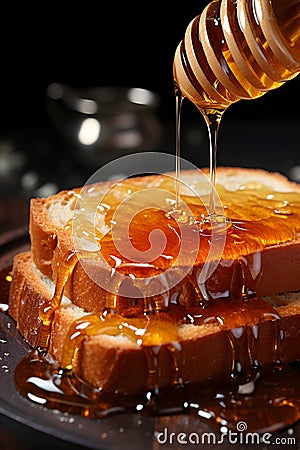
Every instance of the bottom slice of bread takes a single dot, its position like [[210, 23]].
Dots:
[[203, 352]]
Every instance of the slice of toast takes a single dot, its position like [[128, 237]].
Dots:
[[270, 267], [220, 322]]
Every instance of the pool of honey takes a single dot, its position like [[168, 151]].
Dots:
[[264, 397], [259, 217], [270, 402]]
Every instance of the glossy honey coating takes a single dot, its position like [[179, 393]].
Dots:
[[154, 325], [260, 217]]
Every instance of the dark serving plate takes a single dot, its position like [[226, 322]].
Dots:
[[126, 431]]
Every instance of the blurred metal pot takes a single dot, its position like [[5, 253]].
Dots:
[[101, 124]]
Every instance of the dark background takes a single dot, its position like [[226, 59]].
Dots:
[[122, 44], [101, 44]]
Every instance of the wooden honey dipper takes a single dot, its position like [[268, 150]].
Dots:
[[238, 49]]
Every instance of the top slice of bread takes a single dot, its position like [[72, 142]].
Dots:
[[52, 242], [273, 322]]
